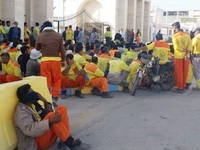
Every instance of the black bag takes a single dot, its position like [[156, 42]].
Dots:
[[43, 111]]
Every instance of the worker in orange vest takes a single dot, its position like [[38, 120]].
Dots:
[[96, 79]]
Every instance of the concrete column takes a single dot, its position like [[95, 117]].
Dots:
[[139, 16], [131, 14], [14, 10], [41, 11], [121, 14], [0, 8], [146, 24]]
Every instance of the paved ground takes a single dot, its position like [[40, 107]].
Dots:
[[149, 121]]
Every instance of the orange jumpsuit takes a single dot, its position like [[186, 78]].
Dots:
[[96, 77], [73, 80], [59, 130], [11, 72], [181, 41]]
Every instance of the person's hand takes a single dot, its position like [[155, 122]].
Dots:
[[62, 63], [56, 118], [71, 62], [42, 98], [137, 49]]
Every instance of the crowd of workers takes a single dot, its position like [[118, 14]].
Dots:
[[67, 61]]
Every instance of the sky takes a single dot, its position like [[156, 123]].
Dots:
[[177, 4]]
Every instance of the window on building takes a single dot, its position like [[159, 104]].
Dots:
[[183, 13], [164, 13], [172, 13]]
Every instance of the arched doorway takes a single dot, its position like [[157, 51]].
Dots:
[[93, 7]]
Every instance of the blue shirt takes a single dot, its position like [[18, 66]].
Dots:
[[15, 33]]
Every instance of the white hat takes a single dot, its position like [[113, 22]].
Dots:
[[69, 52], [35, 54], [95, 55]]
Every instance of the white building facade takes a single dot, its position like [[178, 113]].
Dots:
[[119, 14]]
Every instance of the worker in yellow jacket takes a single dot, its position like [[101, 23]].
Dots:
[[96, 79], [118, 71]]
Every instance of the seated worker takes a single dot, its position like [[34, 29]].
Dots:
[[161, 49], [10, 70], [78, 58], [37, 127], [97, 79], [72, 76], [134, 66], [113, 51], [118, 71], [103, 59], [33, 66], [14, 52], [23, 59]]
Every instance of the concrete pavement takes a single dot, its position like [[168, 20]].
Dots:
[[149, 121]]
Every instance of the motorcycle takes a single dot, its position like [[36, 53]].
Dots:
[[150, 73]]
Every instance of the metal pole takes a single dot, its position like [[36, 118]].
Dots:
[[58, 26]]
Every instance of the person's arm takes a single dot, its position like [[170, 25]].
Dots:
[[125, 67], [194, 42], [38, 44], [99, 73], [66, 70], [28, 126], [62, 51], [19, 33], [17, 71]]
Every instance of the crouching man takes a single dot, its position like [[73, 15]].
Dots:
[[37, 129], [97, 79], [72, 76], [11, 70]]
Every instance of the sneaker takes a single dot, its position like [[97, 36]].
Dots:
[[78, 94], [196, 89], [106, 95], [63, 94], [55, 100], [95, 91], [178, 91]]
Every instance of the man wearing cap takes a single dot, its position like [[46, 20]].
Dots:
[[72, 76], [97, 79], [182, 47], [15, 33], [196, 58], [51, 46], [33, 66], [104, 58], [11, 70]]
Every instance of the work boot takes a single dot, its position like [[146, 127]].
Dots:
[[55, 100], [83, 146], [106, 95], [95, 91], [63, 94], [187, 86], [178, 91], [62, 146], [78, 94], [126, 90]]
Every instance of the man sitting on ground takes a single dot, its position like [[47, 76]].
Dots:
[[118, 71], [72, 76], [38, 129], [78, 58], [33, 66], [11, 70], [97, 79], [104, 58]]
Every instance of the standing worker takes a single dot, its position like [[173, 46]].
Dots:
[[51, 46], [182, 46], [138, 36]]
